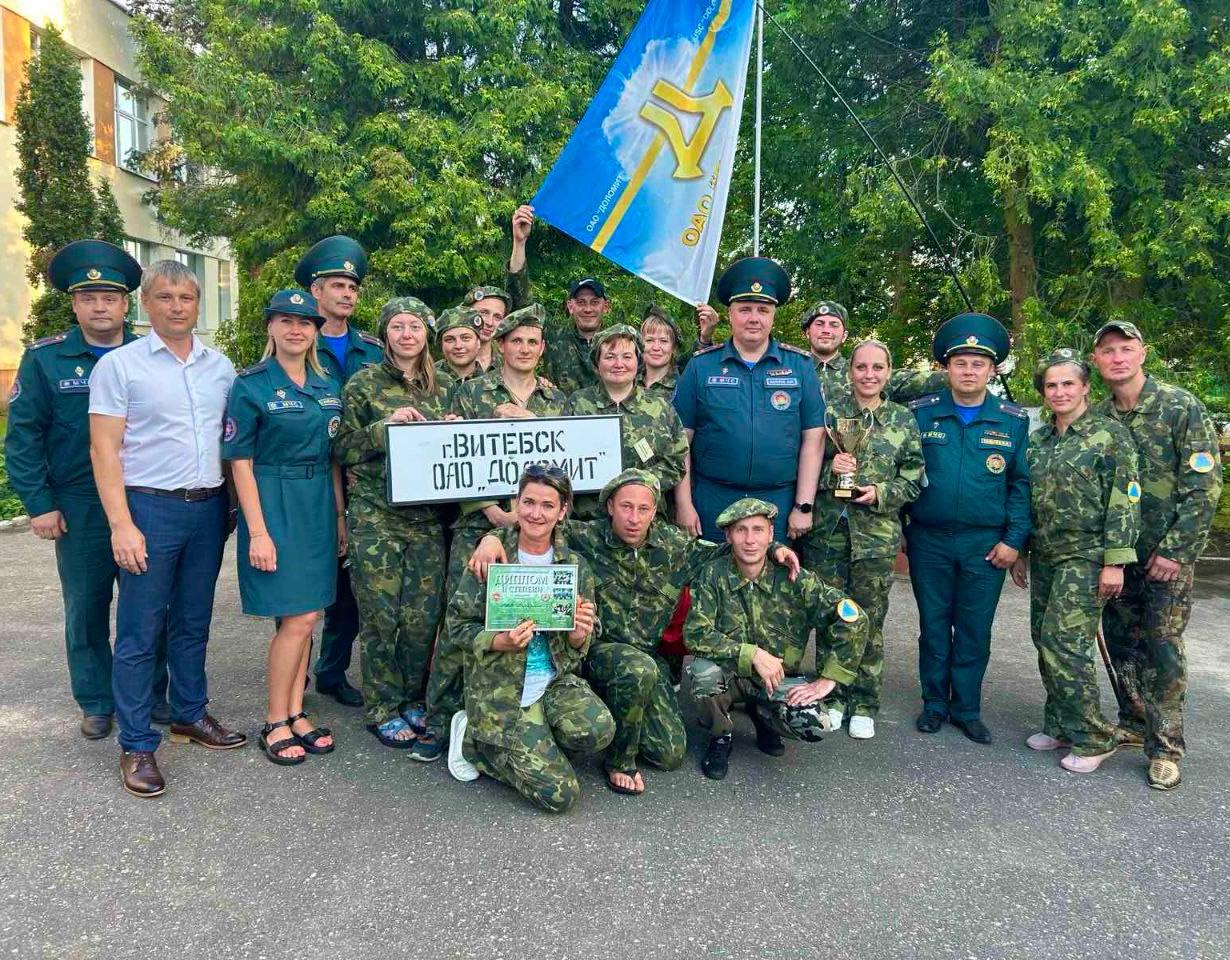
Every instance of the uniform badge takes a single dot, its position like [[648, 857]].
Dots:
[[848, 610], [296, 299], [1201, 461], [229, 430], [15, 390], [971, 340], [996, 463], [477, 295], [93, 273], [281, 394], [80, 371], [348, 266], [335, 424], [824, 310], [643, 450], [1133, 492], [780, 400], [756, 287]]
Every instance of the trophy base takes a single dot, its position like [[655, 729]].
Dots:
[[843, 493]]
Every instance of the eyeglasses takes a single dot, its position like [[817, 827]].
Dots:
[[543, 470]]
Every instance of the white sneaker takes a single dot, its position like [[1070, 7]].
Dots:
[[836, 715], [461, 768], [862, 728]]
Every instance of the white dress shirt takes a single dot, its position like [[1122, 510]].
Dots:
[[173, 411]]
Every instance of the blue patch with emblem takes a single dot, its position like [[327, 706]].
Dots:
[[75, 385], [848, 610], [781, 381], [723, 381], [280, 406], [229, 429], [331, 403], [335, 424]]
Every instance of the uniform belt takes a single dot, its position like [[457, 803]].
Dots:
[[290, 471], [183, 493]]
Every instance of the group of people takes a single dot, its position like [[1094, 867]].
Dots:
[[765, 492]]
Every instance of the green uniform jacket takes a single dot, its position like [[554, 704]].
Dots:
[[568, 361], [1085, 494], [653, 437], [493, 680], [731, 617], [442, 367], [1180, 469], [892, 460], [362, 350], [370, 396], [834, 376], [664, 387], [47, 444]]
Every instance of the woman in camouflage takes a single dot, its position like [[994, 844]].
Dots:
[[662, 344]]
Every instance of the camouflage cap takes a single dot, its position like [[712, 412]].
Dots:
[[535, 315], [1057, 356], [615, 332], [1119, 326], [654, 312], [482, 293], [827, 308], [404, 305], [747, 507], [455, 317], [632, 475]]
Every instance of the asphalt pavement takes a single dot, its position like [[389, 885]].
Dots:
[[905, 846]]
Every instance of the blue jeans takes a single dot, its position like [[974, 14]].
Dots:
[[184, 544]]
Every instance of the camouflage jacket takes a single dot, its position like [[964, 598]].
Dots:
[[1084, 492], [892, 460], [494, 680], [442, 367], [1180, 469], [568, 361], [664, 387], [731, 617], [368, 398], [834, 376], [653, 437]]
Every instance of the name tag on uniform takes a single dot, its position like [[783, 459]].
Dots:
[[331, 403], [643, 450], [75, 385], [783, 372], [280, 406], [994, 442], [723, 381], [781, 381], [934, 436]]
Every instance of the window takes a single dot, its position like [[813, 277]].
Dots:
[[224, 291], [142, 252], [132, 124]]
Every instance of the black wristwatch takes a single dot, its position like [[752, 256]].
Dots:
[[803, 507]]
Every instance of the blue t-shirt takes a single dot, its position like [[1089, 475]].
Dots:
[[100, 352], [338, 347], [539, 669], [967, 414]]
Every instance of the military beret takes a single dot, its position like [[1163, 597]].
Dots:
[[614, 332], [296, 303], [654, 312], [1119, 326], [93, 265], [482, 293], [462, 317], [747, 507], [400, 305], [632, 475], [971, 333], [754, 278], [595, 285], [1056, 357], [532, 316], [826, 308], [332, 257]]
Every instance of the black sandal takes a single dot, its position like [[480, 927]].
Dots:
[[276, 751], [625, 791], [310, 738]]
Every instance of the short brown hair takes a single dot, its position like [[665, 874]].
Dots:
[[548, 476]]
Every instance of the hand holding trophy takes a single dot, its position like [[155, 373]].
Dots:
[[850, 436]]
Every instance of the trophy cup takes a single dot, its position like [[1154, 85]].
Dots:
[[850, 436]]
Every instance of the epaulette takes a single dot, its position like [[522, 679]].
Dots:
[[1013, 409], [255, 368], [793, 349], [700, 351], [374, 341], [928, 401], [45, 341]]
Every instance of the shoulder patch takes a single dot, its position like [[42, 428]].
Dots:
[[928, 401], [47, 341], [848, 610], [791, 348], [709, 349], [374, 341], [1013, 409], [255, 368]]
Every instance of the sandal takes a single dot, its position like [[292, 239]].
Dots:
[[310, 739], [626, 791], [276, 751], [387, 732]]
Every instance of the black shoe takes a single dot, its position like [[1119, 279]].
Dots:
[[717, 757], [161, 714], [767, 738], [95, 726], [975, 729], [929, 722], [342, 692]]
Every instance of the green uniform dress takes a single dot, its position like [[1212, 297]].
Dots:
[[287, 432], [1181, 481], [47, 456], [853, 546], [397, 554], [1086, 515], [975, 495]]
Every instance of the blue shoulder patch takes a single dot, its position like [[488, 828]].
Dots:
[[255, 368], [1013, 409], [47, 341], [929, 400]]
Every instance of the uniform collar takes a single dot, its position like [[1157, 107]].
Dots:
[[772, 352], [606, 402], [397, 374], [839, 362], [1144, 403], [766, 582], [1082, 425], [654, 537], [156, 343], [511, 536], [75, 344], [947, 407]]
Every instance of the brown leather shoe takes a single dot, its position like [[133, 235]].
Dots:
[[95, 726], [208, 733], [140, 775]]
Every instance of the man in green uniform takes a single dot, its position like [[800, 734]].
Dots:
[[825, 326], [47, 454], [969, 523], [748, 631], [333, 271], [1180, 477]]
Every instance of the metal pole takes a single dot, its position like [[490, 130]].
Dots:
[[759, 102]]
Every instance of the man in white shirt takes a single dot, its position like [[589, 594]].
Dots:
[[156, 412]]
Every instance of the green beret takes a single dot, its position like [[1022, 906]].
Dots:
[[827, 308], [1058, 356], [747, 507], [535, 315], [654, 312], [971, 333], [633, 475], [754, 278], [455, 317], [482, 293], [1119, 326], [332, 257], [294, 303], [404, 305], [93, 265], [612, 333]]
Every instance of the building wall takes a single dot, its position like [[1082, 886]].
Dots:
[[98, 31]]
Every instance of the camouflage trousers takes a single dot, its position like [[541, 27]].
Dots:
[[568, 717], [717, 688], [1064, 611], [446, 682], [867, 582], [395, 571], [636, 687], [1144, 634]]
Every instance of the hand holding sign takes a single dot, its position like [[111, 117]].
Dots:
[[585, 617]]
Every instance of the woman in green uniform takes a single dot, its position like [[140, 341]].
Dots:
[[1085, 499], [281, 418], [457, 332], [854, 540], [397, 554]]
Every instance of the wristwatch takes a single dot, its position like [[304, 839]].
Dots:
[[803, 507]]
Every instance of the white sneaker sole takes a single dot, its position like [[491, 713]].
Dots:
[[461, 768], [859, 732]]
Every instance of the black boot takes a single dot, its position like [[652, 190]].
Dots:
[[767, 738], [717, 757]]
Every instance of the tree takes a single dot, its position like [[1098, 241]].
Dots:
[[57, 196]]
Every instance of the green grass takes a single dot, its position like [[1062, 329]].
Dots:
[[10, 506]]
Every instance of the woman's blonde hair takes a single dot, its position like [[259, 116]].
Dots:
[[871, 342], [313, 359]]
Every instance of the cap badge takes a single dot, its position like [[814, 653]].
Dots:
[[756, 287], [477, 294], [93, 273], [296, 299], [824, 310], [347, 265], [972, 340]]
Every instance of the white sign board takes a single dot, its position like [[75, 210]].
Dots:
[[450, 460]]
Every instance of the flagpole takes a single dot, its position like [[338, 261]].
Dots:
[[759, 74]]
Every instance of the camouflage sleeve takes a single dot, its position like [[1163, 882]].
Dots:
[[1197, 487], [25, 441], [518, 285], [841, 630], [700, 633], [672, 450], [907, 385], [359, 439], [466, 616], [570, 659], [1018, 507], [1121, 519], [907, 484]]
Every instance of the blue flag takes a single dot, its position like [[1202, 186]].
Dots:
[[645, 176]]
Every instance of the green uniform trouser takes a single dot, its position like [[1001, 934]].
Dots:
[[568, 717], [957, 591], [636, 687], [1063, 617], [717, 688], [395, 570], [867, 582], [446, 682], [87, 581], [1144, 633]]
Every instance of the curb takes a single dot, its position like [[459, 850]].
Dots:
[[16, 523]]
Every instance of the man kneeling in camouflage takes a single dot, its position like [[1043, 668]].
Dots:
[[747, 633]]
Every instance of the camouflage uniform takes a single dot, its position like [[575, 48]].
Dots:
[[523, 746], [665, 387], [653, 437], [834, 376], [1180, 478], [731, 617], [853, 546], [397, 554], [568, 361], [1086, 515]]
